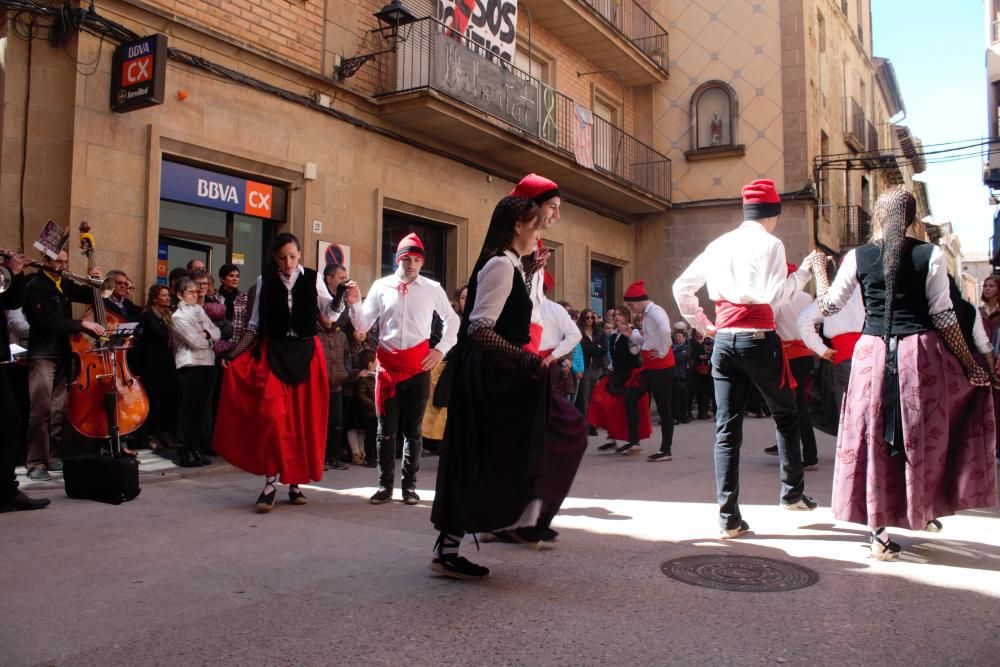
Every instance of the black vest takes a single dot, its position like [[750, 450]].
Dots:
[[514, 323], [911, 313], [275, 320]]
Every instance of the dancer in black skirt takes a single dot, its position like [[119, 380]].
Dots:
[[495, 437]]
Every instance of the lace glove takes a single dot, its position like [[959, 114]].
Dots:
[[530, 264], [243, 337], [946, 323], [822, 287], [482, 332], [991, 364]]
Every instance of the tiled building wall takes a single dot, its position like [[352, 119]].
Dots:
[[738, 42]]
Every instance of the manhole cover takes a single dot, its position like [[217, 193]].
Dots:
[[746, 574]]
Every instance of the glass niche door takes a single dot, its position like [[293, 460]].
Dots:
[[216, 237]]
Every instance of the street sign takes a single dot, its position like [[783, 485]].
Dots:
[[139, 74]]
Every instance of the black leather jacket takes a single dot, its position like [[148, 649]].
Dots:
[[50, 314]]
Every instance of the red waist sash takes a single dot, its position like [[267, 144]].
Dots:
[[650, 362], [743, 315], [795, 349], [843, 346], [395, 366], [544, 354], [535, 330]]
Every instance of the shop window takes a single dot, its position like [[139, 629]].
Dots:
[[714, 119], [395, 226]]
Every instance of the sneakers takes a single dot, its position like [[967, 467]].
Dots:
[[629, 448], [659, 456], [334, 465], [55, 466], [410, 497], [803, 504], [382, 496], [458, 567], [933, 526], [608, 446], [739, 531], [21, 502], [772, 450], [39, 474]]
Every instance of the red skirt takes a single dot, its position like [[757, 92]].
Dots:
[[267, 427], [607, 411]]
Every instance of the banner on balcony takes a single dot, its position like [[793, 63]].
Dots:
[[583, 136], [490, 24]]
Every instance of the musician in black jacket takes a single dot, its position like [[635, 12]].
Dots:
[[11, 498], [48, 307]]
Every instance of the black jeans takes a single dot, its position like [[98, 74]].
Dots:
[[403, 412], [11, 429], [659, 384], [197, 383], [740, 361], [802, 369], [681, 399], [335, 428]]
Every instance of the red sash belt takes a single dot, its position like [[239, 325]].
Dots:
[[843, 346], [544, 354], [795, 349], [743, 315], [395, 367], [650, 362], [535, 330]]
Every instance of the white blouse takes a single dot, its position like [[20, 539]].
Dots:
[[850, 319], [786, 317], [493, 285], [936, 285]]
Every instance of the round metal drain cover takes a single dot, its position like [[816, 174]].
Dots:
[[746, 574]]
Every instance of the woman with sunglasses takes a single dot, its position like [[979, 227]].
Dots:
[[595, 354]]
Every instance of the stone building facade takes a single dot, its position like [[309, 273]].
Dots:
[[690, 100]]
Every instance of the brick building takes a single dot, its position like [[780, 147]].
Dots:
[[682, 102]]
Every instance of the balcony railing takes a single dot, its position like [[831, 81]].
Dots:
[[636, 24], [854, 125], [872, 158], [857, 226], [436, 58]]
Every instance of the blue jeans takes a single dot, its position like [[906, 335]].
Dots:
[[740, 360]]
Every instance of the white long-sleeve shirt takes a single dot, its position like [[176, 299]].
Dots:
[[405, 312], [787, 314], [936, 286], [850, 319], [191, 346], [323, 298], [744, 266], [655, 334], [559, 333]]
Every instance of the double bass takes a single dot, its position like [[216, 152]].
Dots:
[[105, 400]]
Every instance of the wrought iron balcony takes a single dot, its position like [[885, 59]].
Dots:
[[856, 227], [454, 91], [872, 158], [854, 125], [617, 35]]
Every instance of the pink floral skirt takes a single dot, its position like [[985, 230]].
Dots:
[[948, 436]]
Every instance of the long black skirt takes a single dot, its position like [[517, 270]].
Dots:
[[494, 445]]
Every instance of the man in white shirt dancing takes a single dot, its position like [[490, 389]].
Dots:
[[746, 276], [656, 376], [404, 304]]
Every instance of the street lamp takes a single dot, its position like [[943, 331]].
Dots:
[[391, 18]]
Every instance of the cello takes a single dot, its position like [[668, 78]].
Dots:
[[105, 400]]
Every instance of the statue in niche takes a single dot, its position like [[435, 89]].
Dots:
[[716, 129]]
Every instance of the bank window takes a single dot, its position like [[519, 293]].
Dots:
[[603, 287], [395, 226], [189, 232]]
